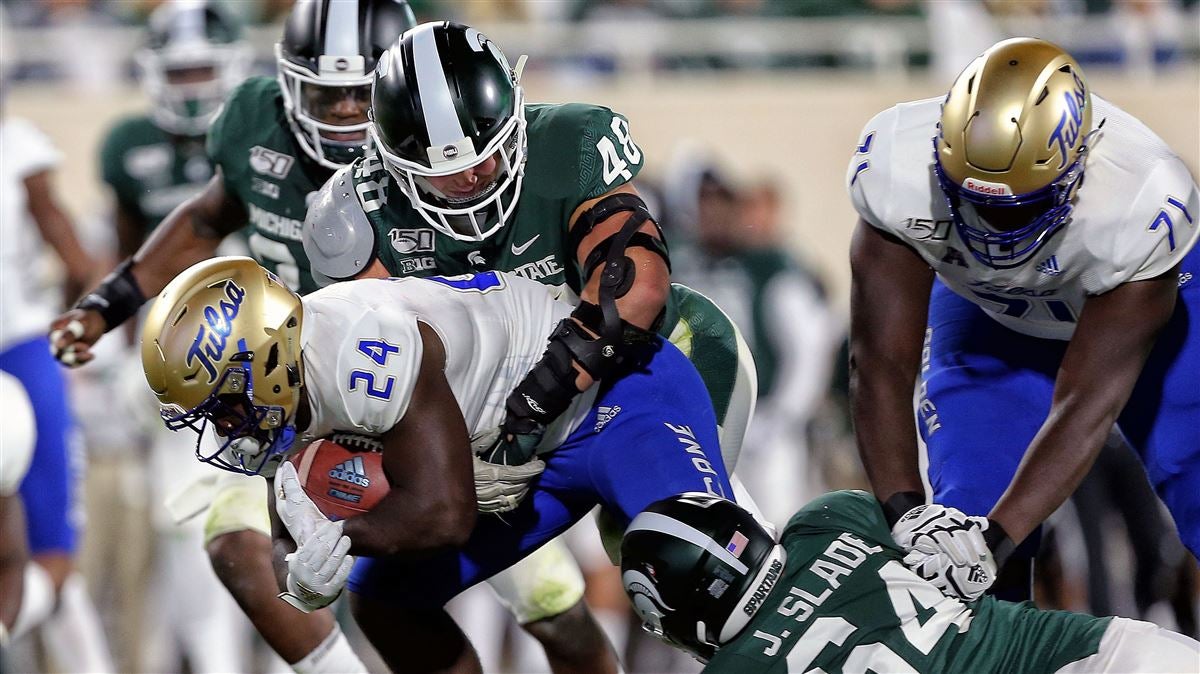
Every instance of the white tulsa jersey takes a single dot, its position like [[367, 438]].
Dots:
[[362, 351], [24, 309], [1135, 217]]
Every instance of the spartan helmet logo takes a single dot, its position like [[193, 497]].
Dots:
[[647, 602]]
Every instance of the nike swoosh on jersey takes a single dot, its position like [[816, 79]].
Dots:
[[517, 250]]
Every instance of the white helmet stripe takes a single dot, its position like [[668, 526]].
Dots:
[[647, 521], [190, 25], [437, 104], [341, 28]]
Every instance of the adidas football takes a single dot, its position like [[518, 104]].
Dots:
[[342, 475]]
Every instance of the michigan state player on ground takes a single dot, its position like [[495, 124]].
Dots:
[[273, 144], [833, 595], [155, 161], [465, 175], [424, 365]]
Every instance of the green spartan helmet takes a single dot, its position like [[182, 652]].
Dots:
[[697, 567], [192, 59], [328, 52]]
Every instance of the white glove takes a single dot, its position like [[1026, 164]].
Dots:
[[296, 510], [967, 583], [318, 569], [499, 488], [947, 548], [935, 528]]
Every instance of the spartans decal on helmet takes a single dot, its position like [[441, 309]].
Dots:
[[326, 59], [192, 59], [697, 568], [1011, 147], [221, 346], [448, 120]]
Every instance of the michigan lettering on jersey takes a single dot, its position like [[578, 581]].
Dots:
[[273, 223]]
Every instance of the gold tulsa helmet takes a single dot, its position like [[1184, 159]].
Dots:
[[1011, 146], [221, 345]]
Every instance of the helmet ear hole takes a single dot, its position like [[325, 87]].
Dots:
[[272, 361]]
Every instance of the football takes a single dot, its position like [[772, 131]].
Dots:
[[343, 475]]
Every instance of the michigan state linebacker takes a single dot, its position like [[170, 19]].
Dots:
[[465, 175], [273, 144], [834, 595]]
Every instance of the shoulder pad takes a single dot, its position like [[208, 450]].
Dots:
[[339, 240], [1166, 212]]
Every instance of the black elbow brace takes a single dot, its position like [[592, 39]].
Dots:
[[117, 298], [548, 389]]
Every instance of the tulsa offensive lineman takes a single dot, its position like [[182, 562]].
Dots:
[[425, 365], [274, 143], [1053, 229]]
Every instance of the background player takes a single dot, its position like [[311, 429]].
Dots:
[[428, 364], [1054, 231], [834, 595], [154, 161], [30, 218]]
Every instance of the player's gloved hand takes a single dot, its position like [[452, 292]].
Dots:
[[296, 510], [500, 488], [964, 581], [933, 529], [318, 569], [517, 442], [72, 335]]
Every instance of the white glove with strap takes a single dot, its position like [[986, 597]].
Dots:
[[947, 548], [318, 569], [500, 488]]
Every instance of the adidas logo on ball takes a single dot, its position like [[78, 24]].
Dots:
[[351, 471]]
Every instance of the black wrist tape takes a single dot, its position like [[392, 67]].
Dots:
[[117, 298], [900, 503], [998, 542]]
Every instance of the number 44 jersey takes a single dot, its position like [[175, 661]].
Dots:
[[845, 603], [361, 348]]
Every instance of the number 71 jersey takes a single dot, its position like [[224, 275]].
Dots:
[[1136, 215]]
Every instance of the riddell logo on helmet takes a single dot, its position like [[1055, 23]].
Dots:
[[449, 152], [986, 188]]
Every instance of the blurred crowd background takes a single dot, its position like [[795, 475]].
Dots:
[[748, 112]]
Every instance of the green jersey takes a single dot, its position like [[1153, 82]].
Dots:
[[564, 167], [576, 152], [846, 603], [264, 167], [151, 171]]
